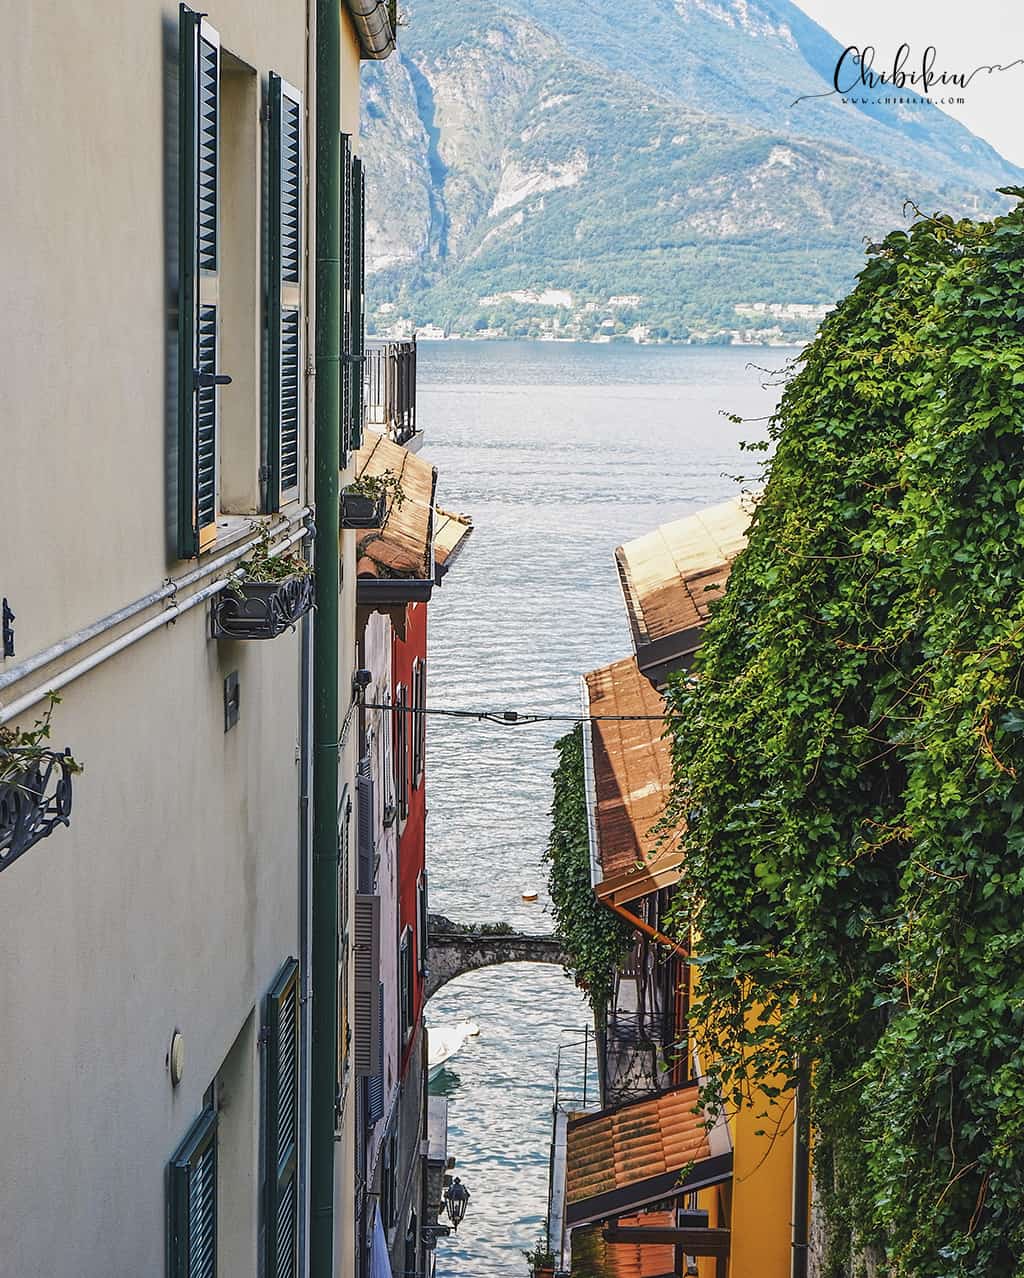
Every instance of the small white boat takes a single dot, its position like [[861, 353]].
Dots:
[[443, 1041]]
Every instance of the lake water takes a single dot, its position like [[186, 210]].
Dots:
[[560, 453]]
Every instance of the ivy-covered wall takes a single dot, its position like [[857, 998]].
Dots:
[[596, 939], [851, 760]]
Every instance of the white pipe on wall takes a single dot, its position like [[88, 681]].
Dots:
[[73, 672]]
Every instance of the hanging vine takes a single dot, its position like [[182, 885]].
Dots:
[[596, 939], [850, 762]]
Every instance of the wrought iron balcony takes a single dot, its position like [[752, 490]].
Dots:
[[33, 801], [262, 609], [389, 388]]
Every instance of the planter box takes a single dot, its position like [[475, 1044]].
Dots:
[[33, 803], [262, 609], [360, 511]]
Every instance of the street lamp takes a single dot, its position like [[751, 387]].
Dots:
[[456, 1201]]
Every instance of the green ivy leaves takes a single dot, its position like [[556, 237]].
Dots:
[[851, 759], [596, 939]]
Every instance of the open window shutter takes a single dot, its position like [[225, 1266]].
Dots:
[[375, 1082], [284, 258], [366, 969], [365, 850], [344, 860], [357, 212], [193, 1202], [282, 1124], [422, 937], [347, 443], [198, 157]]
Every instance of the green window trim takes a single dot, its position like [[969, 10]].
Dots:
[[283, 445], [348, 443], [282, 1034], [198, 260], [192, 1232], [357, 306]]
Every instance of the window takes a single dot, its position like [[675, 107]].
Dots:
[[389, 1183], [281, 1124], [283, 313], [407, 979], [419, 721], [366, 1034], [345, 425], [353, 266], [223, 467], [198, 265], [357, 259], [193, 1201], [401, 722], [344, 1031], [422, 935]]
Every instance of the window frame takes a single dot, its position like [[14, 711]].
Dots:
[[185, 1162], [198, 287], [283, 295]]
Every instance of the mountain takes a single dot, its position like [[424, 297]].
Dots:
[[529, 160]]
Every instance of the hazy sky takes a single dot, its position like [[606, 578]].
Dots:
[[964, 36]]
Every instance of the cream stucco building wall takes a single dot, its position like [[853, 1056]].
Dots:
[[175, 896]]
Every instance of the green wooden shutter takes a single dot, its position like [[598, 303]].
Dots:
[[198, 260], [283, 316], [347, 442], [357, 208], [193, 1202], [366, 1027], [282, 1124]]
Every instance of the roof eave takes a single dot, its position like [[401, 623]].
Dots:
[[393, 590], [375, 22]]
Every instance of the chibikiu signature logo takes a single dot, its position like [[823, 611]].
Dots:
[[908, 79]]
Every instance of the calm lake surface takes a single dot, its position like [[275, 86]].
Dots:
[[560, 453]]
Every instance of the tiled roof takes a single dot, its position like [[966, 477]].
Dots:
[[632, 769], [591, 1255], [450, 535], [670, 576], [623, 1158], [403, 547]]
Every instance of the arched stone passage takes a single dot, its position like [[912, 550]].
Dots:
[[456, 948]]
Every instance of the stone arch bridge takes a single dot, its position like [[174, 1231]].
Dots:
[[456, 948]]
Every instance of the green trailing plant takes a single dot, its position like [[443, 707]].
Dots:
[[596, 939], [262, 566], [20, 748], [540, 1255], [850, 761], [386, 486]]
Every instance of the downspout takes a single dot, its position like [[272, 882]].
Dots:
[[801, 1175], [326, 427]]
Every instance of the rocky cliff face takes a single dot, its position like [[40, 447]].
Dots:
[[588, 150]]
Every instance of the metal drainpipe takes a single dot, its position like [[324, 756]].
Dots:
[[801, 1175], [305, 896], [327, 423]]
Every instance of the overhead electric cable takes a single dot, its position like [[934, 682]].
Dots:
[[515, 718]]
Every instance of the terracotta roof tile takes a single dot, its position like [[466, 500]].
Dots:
[[634, 1143], [403, 547], [591, 1255], [632, 767], [671, 576]]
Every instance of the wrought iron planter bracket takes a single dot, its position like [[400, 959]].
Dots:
[[34, 803], [261, 609]]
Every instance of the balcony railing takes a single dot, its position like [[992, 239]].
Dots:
[[389, 388]]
